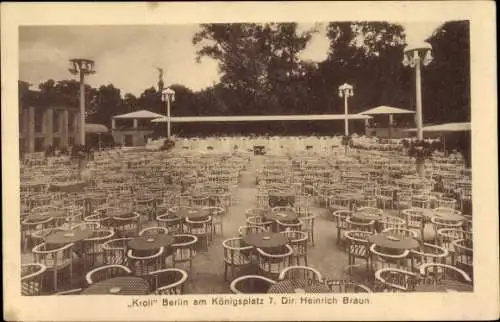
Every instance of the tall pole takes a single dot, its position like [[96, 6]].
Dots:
[[82, 108], [416, 55], [168, 116], [346, 121], [418, 90], [82, 67]]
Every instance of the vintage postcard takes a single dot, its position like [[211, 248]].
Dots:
[[249, 161]]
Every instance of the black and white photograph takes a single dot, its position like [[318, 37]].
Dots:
[[313, 162]]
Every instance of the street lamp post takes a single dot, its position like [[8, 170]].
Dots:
[[414, 55], [346, 91], [168, 95], [82, 67]]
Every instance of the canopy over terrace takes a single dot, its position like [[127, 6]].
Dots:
[[135, 116], [263, 124], [387, 110], [446, 127]]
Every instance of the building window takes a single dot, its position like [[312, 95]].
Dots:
[[56, 119]]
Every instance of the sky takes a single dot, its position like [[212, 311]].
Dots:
[[127, 56]]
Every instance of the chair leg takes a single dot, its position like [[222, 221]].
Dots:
[[225, 271]]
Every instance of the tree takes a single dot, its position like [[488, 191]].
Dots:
[[107, 103], [130, 101], [150, 100], [258, 62], [446, 81]]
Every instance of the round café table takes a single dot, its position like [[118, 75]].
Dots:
[[445, 286], [65, 237], [151, 243], [265, 240], [123, 285], [75, 186], [190, 213], [366, 215], [389, 241], [429, 213], [56, 214], [298, 286], [280, 215], [281, 198]]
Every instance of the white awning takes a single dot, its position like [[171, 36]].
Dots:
[[142, 114], [446, 127], [261, 118], [386, 110]]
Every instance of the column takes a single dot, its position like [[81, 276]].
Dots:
[[113, 123], [48, 126], [30, 129], [64, 127], [136, 124]]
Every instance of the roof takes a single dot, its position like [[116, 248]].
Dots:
[[386, 110], [142, 114], [95, 128], [446, 127], [253, 118]]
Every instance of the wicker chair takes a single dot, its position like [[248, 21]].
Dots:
[[295, 225], [300, 273], [340, 217], [127, 225], [272, 264], [58, 261], [169, 281], [106, 272], [401, 232], [151, 231], [389, 222], [427, 253], [251, 284], [395, 280], [464, 258], [115, 251], [202, 229], [363, 225], [260, 221], [32, 225], [347, 287], [245, 230], [33, 279], [414, 221], [184, 251], [308, 226], [298, 242], [100, 218], [434, 273], [93, 252], [237, 256], [143, 265], [217, 214], [357, 247], [171, 222], [381, 259]]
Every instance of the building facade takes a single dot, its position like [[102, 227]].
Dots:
[[40, 127]]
